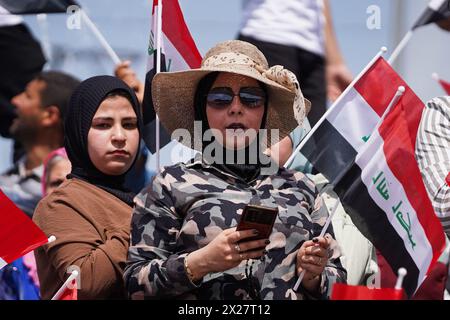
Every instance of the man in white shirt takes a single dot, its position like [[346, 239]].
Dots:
[[298, 35]]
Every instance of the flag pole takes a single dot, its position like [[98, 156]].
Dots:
[[61, 290], [400, 46], [401, 275], [338, 100], [322, 233], [159, 9], [112, 54], [435, 76], [43, 25]]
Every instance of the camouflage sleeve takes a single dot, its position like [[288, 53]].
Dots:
[[334, 271], [154, 268]]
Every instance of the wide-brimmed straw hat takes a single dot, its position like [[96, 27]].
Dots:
[[173, 92]]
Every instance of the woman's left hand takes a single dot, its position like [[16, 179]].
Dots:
[[312, 257]]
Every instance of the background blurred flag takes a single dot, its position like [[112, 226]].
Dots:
[[436, 11], [179, 52], [445, 85], [18, 233], [36, 6], [342, 291]]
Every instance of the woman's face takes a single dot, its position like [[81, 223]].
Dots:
[[238, 120], [113, 138], [57, 174]]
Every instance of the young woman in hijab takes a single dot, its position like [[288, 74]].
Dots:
[[184, 242], [90, 213]]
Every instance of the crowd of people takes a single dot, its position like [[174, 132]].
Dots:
[[81, 175]]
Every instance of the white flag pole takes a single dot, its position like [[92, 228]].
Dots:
[[338, 100], [159, 9], [69, 280], [112, 54], [400, 91], [322, 233], [435, 76], [43, 25], [401, 275], [400, 46]]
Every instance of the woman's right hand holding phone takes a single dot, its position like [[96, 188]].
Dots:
[[225, 252]]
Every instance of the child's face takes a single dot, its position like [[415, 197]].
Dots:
[[113, 138], [57, 174]]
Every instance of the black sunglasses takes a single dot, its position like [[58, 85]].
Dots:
[[221, 97]]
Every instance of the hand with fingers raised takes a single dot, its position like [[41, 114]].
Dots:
[[312, 257], [226, 251]]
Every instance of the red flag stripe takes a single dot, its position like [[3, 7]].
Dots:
[[175, 29], [411, 108], [378, 93], [18, 234], [448, 179], [345, 292]]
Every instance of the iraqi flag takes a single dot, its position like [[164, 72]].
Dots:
[[384, 194], [342, 291], [444, 84], [436, 11], [338, 139], [179, 52], [36, 6], [18, 233]]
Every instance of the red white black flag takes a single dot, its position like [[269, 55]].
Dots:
[[179, 52]]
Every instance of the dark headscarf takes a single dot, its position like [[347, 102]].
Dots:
[[248, 170], [83, 105]]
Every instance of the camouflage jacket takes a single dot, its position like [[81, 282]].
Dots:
[[187, 205]]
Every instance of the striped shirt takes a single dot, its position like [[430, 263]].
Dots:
[[433, 155], [22, 187]]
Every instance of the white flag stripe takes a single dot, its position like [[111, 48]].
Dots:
[[174, 59], [2, 263], [372, 161], [354, 118], [436, 4]]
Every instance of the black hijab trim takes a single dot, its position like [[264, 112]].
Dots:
[[83, 105]]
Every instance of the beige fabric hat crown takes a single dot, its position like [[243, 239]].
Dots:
[[173, 92]]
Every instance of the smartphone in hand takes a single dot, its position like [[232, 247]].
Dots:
[[260, 218]]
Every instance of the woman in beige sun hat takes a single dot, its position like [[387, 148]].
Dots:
[[184, 242]]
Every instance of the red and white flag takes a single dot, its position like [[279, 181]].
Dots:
[[384, 193], [347, 126], [342, 291], [18, 233], [179, 52]]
